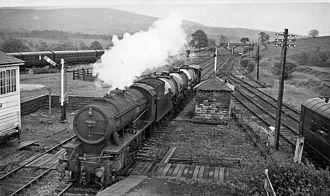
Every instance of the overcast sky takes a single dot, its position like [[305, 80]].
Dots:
[[299, 16]]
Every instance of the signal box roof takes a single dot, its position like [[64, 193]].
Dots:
[[319, 106], [214, 84], [6, 60]]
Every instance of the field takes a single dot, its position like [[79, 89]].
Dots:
[[308, 80], [38, 84]]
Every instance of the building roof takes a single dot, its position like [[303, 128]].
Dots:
[[319, 106], [7, 60], [214, 84]]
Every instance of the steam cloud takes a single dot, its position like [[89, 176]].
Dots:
[[135, 53]]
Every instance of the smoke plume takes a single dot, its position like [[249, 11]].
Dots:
[[133, 54]]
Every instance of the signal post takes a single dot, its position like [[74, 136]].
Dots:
[[64, 87]]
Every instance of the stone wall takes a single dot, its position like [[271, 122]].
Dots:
[[212, 106]]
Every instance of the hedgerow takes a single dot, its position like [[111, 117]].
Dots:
[[289, 179]]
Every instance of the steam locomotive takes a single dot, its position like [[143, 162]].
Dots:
[[110, 130], [36, 58]]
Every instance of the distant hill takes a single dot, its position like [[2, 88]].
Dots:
[[101, 21]]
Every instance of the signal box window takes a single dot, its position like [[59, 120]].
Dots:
[[8, 81]]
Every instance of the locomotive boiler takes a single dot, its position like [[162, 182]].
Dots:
[[111, 129]]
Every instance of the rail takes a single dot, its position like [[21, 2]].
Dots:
[[40, 155]]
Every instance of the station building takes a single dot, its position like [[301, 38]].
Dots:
[[10, 110], [213, 100]]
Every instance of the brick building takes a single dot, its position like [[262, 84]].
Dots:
[[213, 99]]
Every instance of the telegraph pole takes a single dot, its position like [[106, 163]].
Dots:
[[215, 61], [281, 81], [258, 58]]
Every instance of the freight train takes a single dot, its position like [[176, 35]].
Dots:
[[35, 59], [315, 125], [111, 130]]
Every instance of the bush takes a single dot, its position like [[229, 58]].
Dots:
[[289, 69], [247, 64], [288, 179], [299, 179], [313, 58]]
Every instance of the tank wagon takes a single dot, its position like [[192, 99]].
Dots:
[[315, 125], [110, 130], [80, 56]]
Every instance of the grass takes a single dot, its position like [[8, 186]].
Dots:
[[53, 82], [306, 81]]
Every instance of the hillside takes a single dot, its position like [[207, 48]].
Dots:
[[91, 21], [311, 76], [101, 21]]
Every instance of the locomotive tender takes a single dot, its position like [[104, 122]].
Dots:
[[315, 125], [110, 130], [36, 58]]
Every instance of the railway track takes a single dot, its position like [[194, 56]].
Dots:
[[71, 189], [208, 66], [17, 180], [264, 108]]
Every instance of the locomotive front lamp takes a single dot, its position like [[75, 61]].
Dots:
[[90, 113], [99, 172]]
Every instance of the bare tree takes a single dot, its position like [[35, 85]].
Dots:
[[223, 39], [313, 33], [263, 39]]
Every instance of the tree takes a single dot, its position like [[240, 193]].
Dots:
[[43, 46], [263, 39], [313, 33], [244, 39], [14, 45], [95, 45], [223, 39], [212, 43], [83, 46], [199, 39], [67, 45]]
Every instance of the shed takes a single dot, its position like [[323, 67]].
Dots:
[[10, 110], [213, 99]]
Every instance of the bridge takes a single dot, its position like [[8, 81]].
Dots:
[[232, 45]]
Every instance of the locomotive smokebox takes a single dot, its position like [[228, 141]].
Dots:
[[91, 125]]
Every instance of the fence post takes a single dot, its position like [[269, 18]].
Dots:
[[299, 150], [49, 101]]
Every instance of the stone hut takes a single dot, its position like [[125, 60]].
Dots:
[[213, 99]]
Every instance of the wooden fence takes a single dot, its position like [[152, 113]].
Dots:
[[85, 74]]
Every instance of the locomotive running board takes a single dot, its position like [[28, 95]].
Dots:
[[127, 139]]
